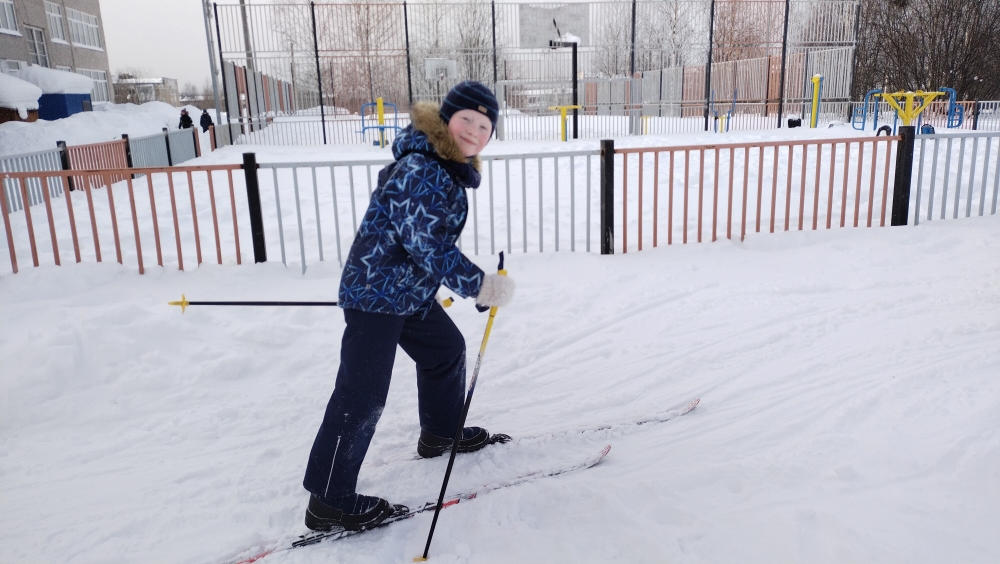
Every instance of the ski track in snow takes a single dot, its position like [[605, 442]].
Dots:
[[848, 414]]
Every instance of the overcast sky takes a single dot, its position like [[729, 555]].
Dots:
[[165, 37]]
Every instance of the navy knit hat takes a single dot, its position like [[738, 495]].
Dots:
[[470, 95]]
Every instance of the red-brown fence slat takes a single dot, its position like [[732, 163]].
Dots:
[[194, 217], [236, 229], [135, 225], [27, 218], [177, 229], [215, 218], [114, 218], [9, 232], [68, 196], [48, 212], [156, 222]]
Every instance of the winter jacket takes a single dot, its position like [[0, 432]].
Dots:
[[185, 122], [406, 247], [206, 121]]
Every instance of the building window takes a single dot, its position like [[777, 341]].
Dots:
[[62, 68], [7, 20], [37, 53], [54, 13], [11, 67], [83, 29], [100, 92]]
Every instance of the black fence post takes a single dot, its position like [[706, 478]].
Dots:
[[904, 171], [975, 115], [784, 55], [607, 197], [708, 66], [64, 161], [128, 152], [166, 141], [319, 75], [197, 141], [409, 70], [631, 59], [253, 203]]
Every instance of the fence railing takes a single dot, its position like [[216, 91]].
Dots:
[[525, 202], [176, 202], [697, 192], [308, 212], [97, 156], [14, 198], [956, 175]]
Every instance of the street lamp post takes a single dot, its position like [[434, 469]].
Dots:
[[556, 45]]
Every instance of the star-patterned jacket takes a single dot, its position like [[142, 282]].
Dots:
[[406, 247]]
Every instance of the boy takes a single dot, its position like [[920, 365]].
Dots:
[[404, 250]]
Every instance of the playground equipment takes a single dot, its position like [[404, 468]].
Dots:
[[379, 106], [910, 109], [859, 117], [721, 122], [956, 113], [817, 81], [562, 117]]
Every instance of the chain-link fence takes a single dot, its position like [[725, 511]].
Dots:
[[312, 64]]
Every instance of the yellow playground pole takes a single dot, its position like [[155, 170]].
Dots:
[[381, 121], [814, 120], [562, 117], [909, 111]]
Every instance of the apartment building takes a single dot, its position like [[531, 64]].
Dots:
[[60, 34]]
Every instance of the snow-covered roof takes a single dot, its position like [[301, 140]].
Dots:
[[18, 94], [53, 81]]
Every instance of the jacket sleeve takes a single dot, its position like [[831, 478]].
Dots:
[[419, 212]]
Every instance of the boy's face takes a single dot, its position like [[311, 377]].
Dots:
[[471, 130]]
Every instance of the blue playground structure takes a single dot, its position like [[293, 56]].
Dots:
[[715, 113], [859, 117]]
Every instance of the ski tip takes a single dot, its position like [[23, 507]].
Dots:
[[604, 452]]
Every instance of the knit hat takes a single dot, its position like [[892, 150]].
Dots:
[[470, 95]]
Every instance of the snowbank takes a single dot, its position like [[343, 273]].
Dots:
[[53, 81], [107, 122], [18, 95]]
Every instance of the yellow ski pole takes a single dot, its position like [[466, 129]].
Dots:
[[461, 423]]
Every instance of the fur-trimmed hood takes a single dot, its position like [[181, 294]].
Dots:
[[426, 118]]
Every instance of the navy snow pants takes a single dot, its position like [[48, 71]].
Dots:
[[367, 354]]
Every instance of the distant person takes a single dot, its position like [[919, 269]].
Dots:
[[206, 121], [186, 121]]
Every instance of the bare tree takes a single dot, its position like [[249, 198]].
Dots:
[[928, 44]]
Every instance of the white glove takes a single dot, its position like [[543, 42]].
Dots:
[[497, 291]]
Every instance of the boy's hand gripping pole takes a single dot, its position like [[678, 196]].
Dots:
[[461, 422]]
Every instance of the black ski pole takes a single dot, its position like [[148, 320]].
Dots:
[[184, 303], [461, 422]]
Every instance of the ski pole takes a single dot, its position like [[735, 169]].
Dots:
[[184, 303], [461, 422]]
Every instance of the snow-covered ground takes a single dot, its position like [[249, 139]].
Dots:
[[848, 385]]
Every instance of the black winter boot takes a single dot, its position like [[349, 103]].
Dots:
[[352, 512], [473, 439]]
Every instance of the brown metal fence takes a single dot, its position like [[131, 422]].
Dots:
[[753, 186], [187, 199]]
